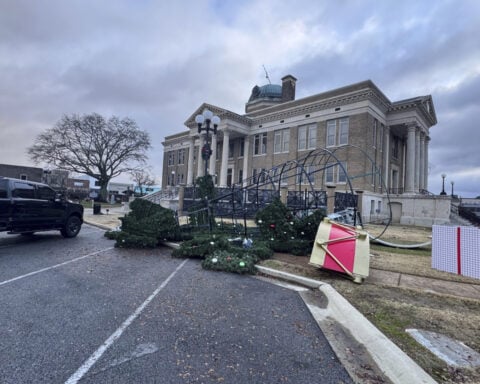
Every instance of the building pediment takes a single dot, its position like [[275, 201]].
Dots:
[[423, 105], [223, 114]]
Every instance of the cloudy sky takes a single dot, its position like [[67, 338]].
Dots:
[[157, 61]]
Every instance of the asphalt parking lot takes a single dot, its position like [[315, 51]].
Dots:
[[79, 310]]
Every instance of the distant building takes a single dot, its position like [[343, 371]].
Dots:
[[393, 137], [118, 192], [21, 172], [78, 189], [146, 189]]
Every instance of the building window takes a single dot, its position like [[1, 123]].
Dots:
[[181, 156], [217, 152], [342, 176], [171, 158], [240, 176], [340, 126], [282, 141], [329, 173], [259, 175], [242, 147], [260, 144], [331, 133], [374, 133], [307, 137], [306, 177], [395, 147], [343, 137], [231, 148]]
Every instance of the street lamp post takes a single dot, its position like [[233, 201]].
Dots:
[[452, 186], [203, 122], [443, 193]]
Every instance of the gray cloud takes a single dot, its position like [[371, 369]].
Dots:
[[158, 61]]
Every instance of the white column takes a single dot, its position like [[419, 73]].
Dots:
[[421, 183], [425, 173], [200, 164], [191, 148], [224, 165], [417, 160], [245, 160], [213, 158], [386, 154], [410, 161]]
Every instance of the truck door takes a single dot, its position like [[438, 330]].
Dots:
[[5, 204], [52, 211], [26, 210]]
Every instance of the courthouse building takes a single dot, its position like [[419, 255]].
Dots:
[[381, 137]]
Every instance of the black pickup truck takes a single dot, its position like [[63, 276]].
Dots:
[[27, 207]]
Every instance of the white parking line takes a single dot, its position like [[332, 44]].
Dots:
[[77, 376], [54, 266]]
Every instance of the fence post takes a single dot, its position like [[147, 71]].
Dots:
[[331, 199], [360, 206], [181, 196]]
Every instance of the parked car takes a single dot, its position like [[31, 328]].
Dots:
[[27, 207]]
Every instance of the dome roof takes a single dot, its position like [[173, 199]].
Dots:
[[268, 91]]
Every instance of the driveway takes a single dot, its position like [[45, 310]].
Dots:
[[79, 310]]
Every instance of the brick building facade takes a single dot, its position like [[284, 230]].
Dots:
[[21, 172], [357, 121], [277, 128]]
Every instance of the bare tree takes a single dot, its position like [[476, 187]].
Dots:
[[92, 145], [142, 177]]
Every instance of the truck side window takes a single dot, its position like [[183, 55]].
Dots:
[[3, 189], [24, 190], [45, 193]]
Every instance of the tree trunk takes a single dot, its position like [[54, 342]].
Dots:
[[103, 192]]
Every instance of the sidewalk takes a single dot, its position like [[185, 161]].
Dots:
[[106, 220]]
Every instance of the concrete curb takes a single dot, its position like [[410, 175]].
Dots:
[[101, 226], [390, 359]]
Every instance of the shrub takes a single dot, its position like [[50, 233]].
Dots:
[[230, 261], [276, 222], [112, 235], [146, 225], [307, 226], [259, 249], [301, 247], [201, 246], [127, 240]]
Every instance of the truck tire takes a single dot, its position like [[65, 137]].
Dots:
[[72, 227]]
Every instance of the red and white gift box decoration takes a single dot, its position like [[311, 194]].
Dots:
[[456, 250]]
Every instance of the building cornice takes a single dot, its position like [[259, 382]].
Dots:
[[320, 102]]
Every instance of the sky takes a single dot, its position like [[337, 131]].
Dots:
[[158, 61]]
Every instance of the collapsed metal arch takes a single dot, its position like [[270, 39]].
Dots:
[[255, 191]]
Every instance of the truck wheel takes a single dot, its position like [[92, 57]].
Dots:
[[72, 227]]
